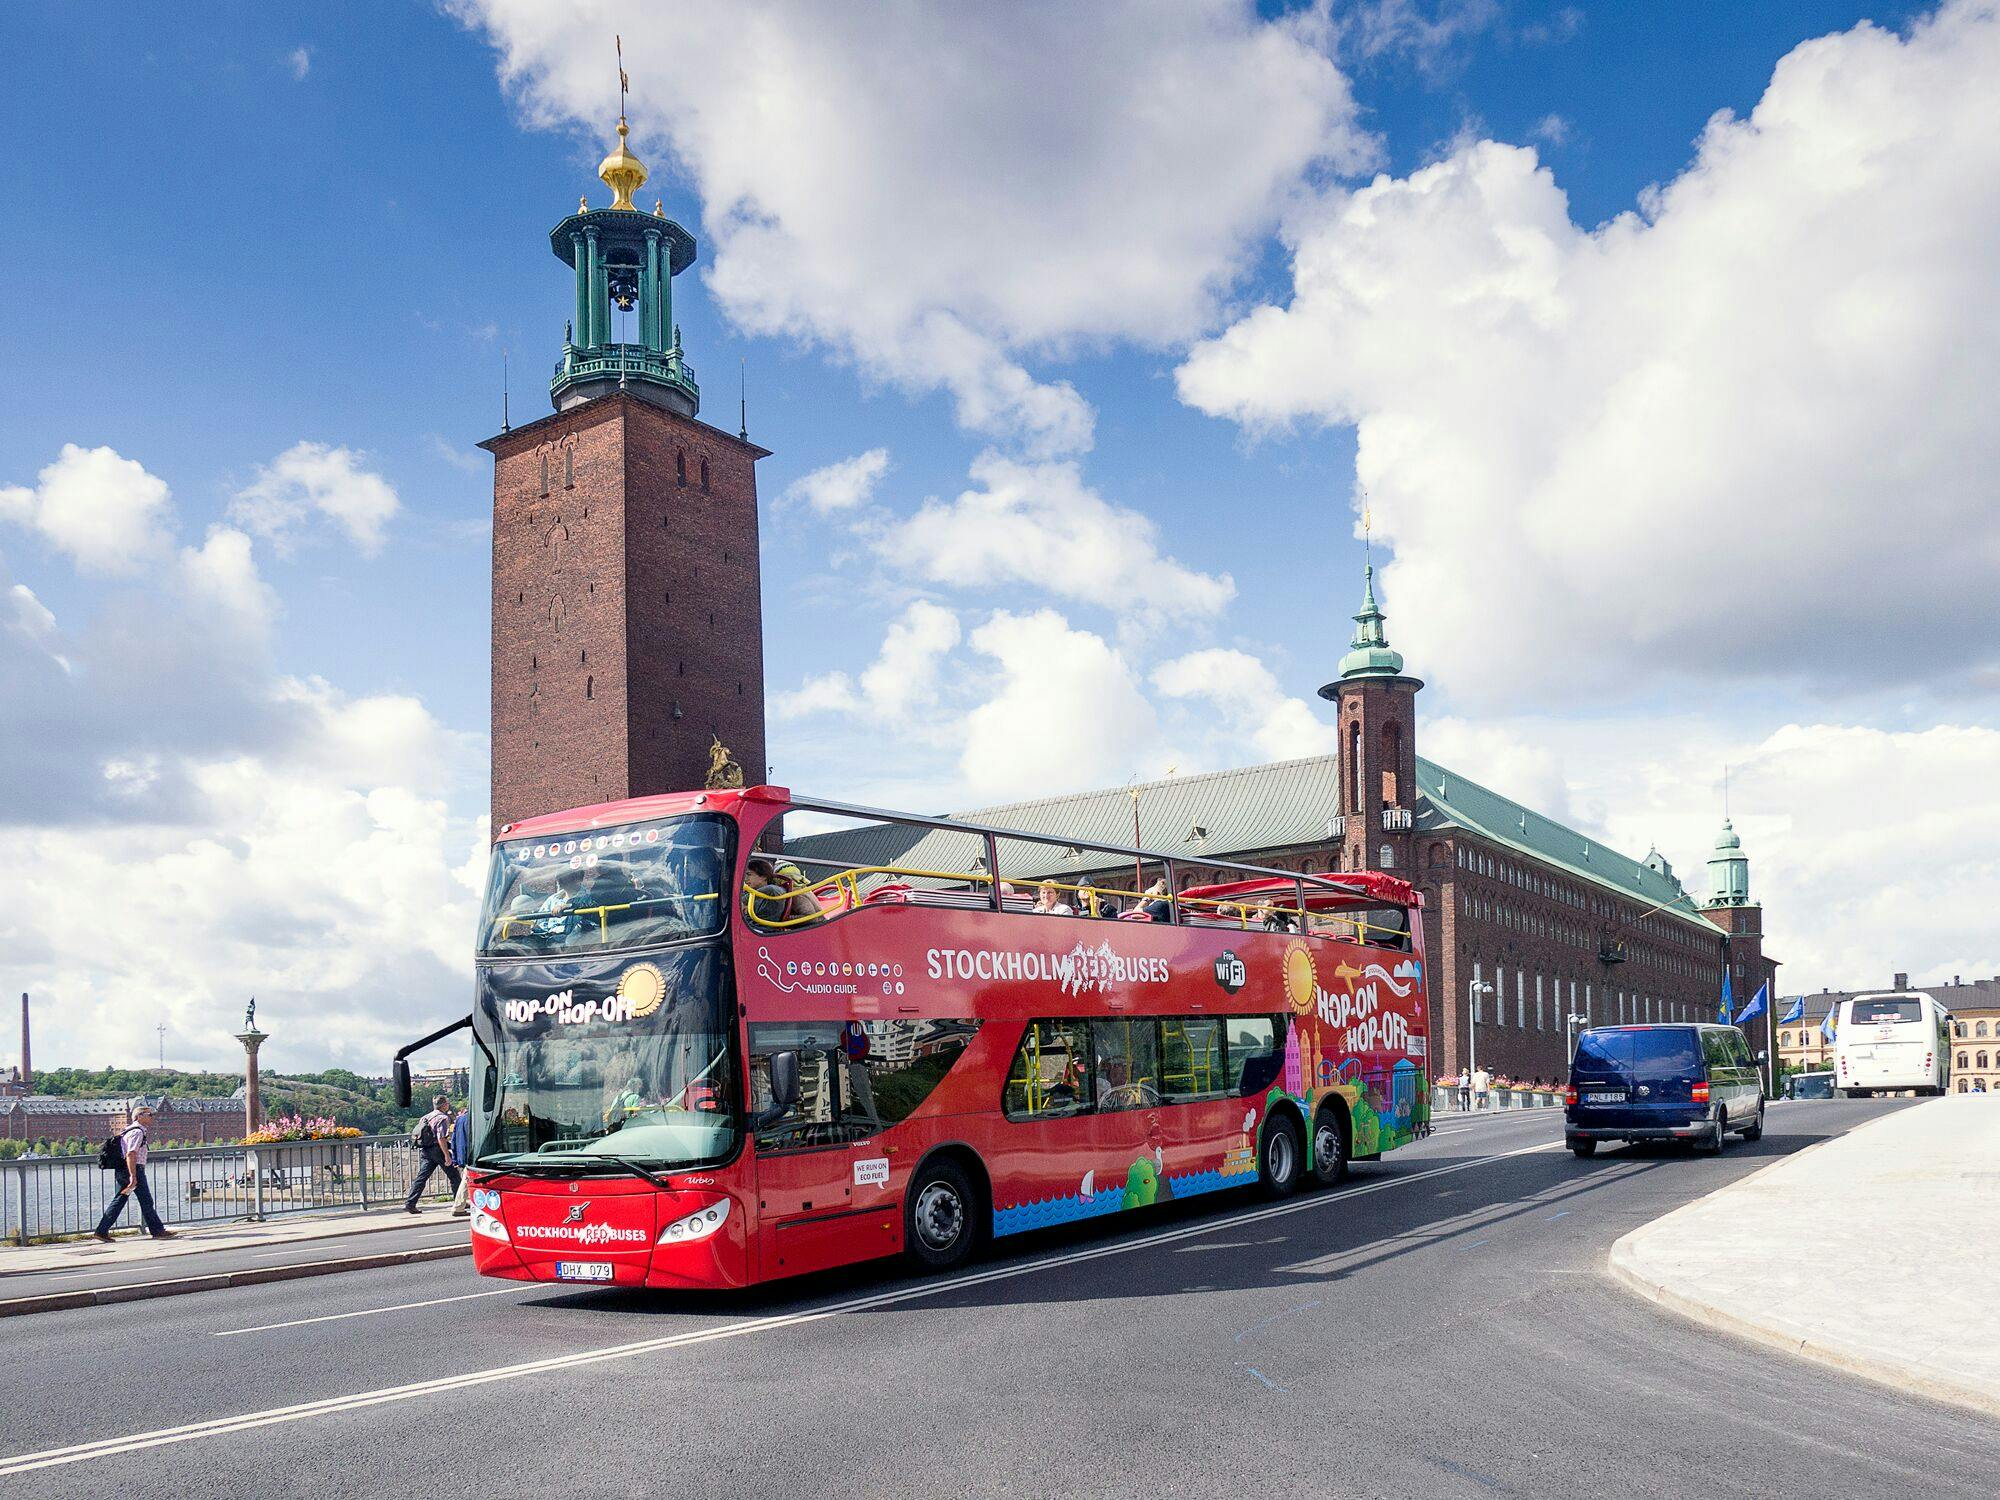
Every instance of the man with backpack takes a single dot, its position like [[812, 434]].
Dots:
[[125, 1155], [432, 1139]]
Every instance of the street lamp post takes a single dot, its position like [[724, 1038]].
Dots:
[[1473, 989], [1570, 1024]]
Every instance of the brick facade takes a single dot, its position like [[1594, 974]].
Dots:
[[627, 606]]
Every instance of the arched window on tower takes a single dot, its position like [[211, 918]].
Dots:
[[569, 468], [1387, 859], [1392, 757], [545, 471], [680, 466], [1352, 789], [704, 476]]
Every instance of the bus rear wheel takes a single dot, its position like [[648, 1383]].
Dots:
[[1329, 1148], [1279, 1162], [939, 1228]]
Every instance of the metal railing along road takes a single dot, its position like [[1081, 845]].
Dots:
[[1444, 1099], [44, 1197]]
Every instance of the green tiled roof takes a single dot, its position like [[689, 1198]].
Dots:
[[1448, 799], [1221, 814]]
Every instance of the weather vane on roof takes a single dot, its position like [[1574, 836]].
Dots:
[[623, 85]]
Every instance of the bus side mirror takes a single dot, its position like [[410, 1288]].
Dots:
[[399, 1074], [784, 1081], [489, 1089]]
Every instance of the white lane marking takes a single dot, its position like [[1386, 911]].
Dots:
[[366, 1312], [50, 1458], [292, 1258]]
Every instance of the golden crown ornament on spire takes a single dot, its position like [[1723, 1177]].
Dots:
[[621, 171]]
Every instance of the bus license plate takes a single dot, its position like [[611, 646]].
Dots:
[[1604, 1098], [583, 1270]]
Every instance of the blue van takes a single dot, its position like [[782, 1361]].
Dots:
[[1662, 1083]]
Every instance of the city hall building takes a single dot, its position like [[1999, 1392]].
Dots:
[[628, 653]]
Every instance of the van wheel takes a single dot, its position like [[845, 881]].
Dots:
[[1756, 1131], [1583, 1148], [1329, 1148], [1278, 1163], [939, 1227], [1713, 1145]]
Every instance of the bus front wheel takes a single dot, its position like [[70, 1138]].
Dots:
[[939, 1229], [1279, 1162]]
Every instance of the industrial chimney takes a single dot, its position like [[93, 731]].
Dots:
[[27, 1063]]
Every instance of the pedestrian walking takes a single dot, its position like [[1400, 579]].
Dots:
[[1465, 1089], [433, 1143], [130, 1171], [1482, 1085], [461, 1155]]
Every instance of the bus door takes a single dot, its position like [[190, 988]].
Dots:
[[823, 1194]]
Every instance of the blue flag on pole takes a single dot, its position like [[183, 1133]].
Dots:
[[1759, 1003], [1728, 1002], [1828, 1025], [1796, 1013]]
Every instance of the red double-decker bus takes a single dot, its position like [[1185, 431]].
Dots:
[[726, 1036]]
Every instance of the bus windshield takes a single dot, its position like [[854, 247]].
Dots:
[[646, 1072], [610, 888]]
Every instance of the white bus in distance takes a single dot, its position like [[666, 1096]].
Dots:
[[1897, 1040]]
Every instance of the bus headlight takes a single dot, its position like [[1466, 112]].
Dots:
[[486, 1224], [698, 1225]]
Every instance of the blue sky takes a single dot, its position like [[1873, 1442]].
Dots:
[[290, 225]]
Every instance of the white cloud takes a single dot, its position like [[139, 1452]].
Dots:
[[940, 193], [1039, 524], [841, 486], [1251, 706], [902, 678], [1065, 712], [222, 573], [309, 477], [104, 511], [300, 61], [1516, 761], [1747, 433], [1551, 129], [468, 459], [238, 829]]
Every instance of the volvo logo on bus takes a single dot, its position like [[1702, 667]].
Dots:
[[1229, 972]]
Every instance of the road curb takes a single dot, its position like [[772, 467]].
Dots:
[[1870, 1364], [177, 1286]]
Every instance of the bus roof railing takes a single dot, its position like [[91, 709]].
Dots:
[[1364, 884]]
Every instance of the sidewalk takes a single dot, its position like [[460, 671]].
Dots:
[[1873, 1253], [30, 1275]]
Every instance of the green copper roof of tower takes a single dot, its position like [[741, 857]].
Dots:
[[1728, 870], [624, 260], [1372, 655]]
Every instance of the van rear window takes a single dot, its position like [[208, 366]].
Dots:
[[1645, 1050], [1885, 1012]]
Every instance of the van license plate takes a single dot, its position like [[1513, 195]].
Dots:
[[1603, 1098], [583, 1270]]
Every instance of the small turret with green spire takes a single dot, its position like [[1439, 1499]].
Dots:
[[1372, 655]]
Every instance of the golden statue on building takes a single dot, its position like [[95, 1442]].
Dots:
[[724, 772]]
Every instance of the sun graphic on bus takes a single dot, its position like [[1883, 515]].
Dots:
[[642, 987], [1301, 978]]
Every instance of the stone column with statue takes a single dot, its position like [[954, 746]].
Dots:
[[252, 1039]]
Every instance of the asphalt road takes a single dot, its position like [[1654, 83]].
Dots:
[[1440, 1327]]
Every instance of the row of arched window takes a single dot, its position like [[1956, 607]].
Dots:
[[1958, 1029]]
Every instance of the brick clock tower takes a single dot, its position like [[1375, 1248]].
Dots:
[[1728, 906], [627, 605], [1377, 758]]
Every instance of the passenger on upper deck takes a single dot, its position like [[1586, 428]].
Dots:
[[1157, 905], [776, 895], [1049, 903]]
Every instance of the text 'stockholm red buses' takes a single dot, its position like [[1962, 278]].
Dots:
[[726, 1036]]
